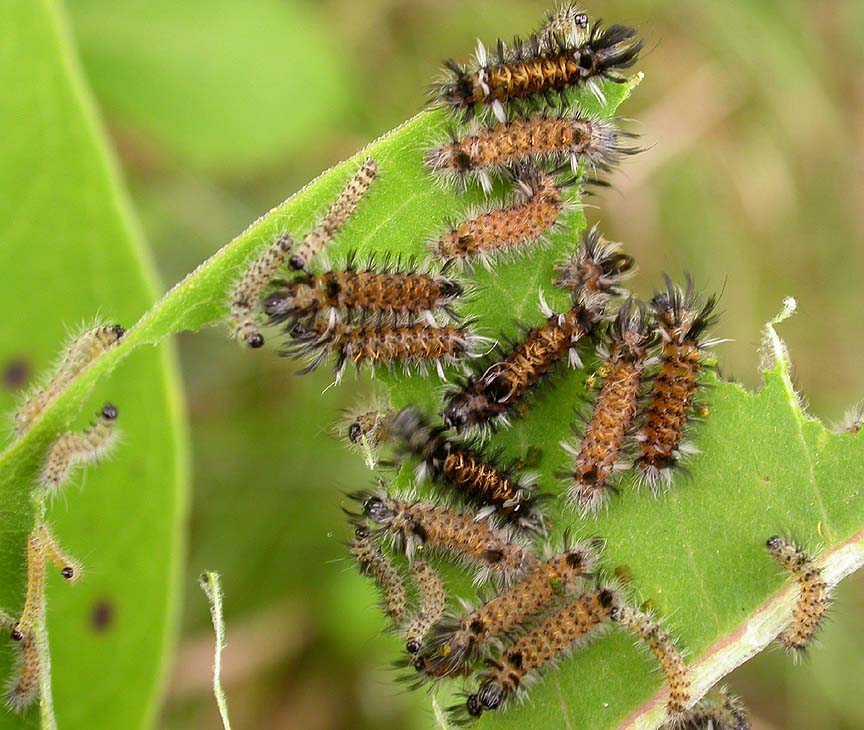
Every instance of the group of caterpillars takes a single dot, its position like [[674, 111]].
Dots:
[[67, 451], [516, 123]]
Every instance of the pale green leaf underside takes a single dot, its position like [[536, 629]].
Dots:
[[68, 252]]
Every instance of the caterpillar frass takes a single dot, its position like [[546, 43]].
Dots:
[[488, 400], [597, 268], [682, 320], [433, 602], [247, 291], [415, 345], [543, 139], [658, 641], [458, 641], [717, 710], [813, 593], [556, 635], [496, 490], [515, 228], [542, 66], [417, 526], [598, 456], [373, 563], [23, 687], [382, 292], [83, 350], [339, 212], [72, 449]]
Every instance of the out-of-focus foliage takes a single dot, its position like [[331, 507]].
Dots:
[[752, 180]]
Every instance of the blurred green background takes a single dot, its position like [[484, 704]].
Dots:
[[753, 116]]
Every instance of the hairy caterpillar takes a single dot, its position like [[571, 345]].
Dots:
[[813, 593], [433, 601], [23, 687], [598, 456], [717, 710], [339, 212], [544, 139], [416, 526], [83, 350], [366, 428], [514, 228], [682, 319], [457, 641], [597, 268], [477, 479], [72, 449], [373, 563]]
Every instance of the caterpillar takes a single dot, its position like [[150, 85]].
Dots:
[[366, 428], [457, 641], [373, 563], [853, 419], [247, 291], [23, 688], [489, 399], [813, 593], [538, 647], [567, 21], [546, 64], [514, 228], [682, 319], [477, 479], [597, 268], [598, 456], [433, 602], [413, 345], [85, 447], [660, 644], [545, 139], [416, 526], [339, 212], [717, 710], [83, 350], [387, 293]]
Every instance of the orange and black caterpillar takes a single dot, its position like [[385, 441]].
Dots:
[[372, 562], [415, 526], [476, 478], [813, 593], [514, 228], [433, 601], [489, 399], [544, 65], [537, 648], [598, 456], [456, 642], [544, 139], [416, 344], [717, 710], [597, 268], [682, 320], [388, 293]]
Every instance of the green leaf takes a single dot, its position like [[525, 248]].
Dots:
[[224, 86], [70, 250]]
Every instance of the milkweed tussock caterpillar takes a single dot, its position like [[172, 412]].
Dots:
[[658, 641], [717, 710], [414, 345], [366, 428], [813, 593], [514, 228], [556, 635], [387, 293], [682, 320], [599, 455], [543, 65], [543, 139], [853, 420], [566, 21], [433, 602], [457, 642], [339, 212], [72, 449], [474, 477], [597, 268], [84, 349], [22, 689], [247, 291], [489, 399], [373, 563], [416, 526]]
